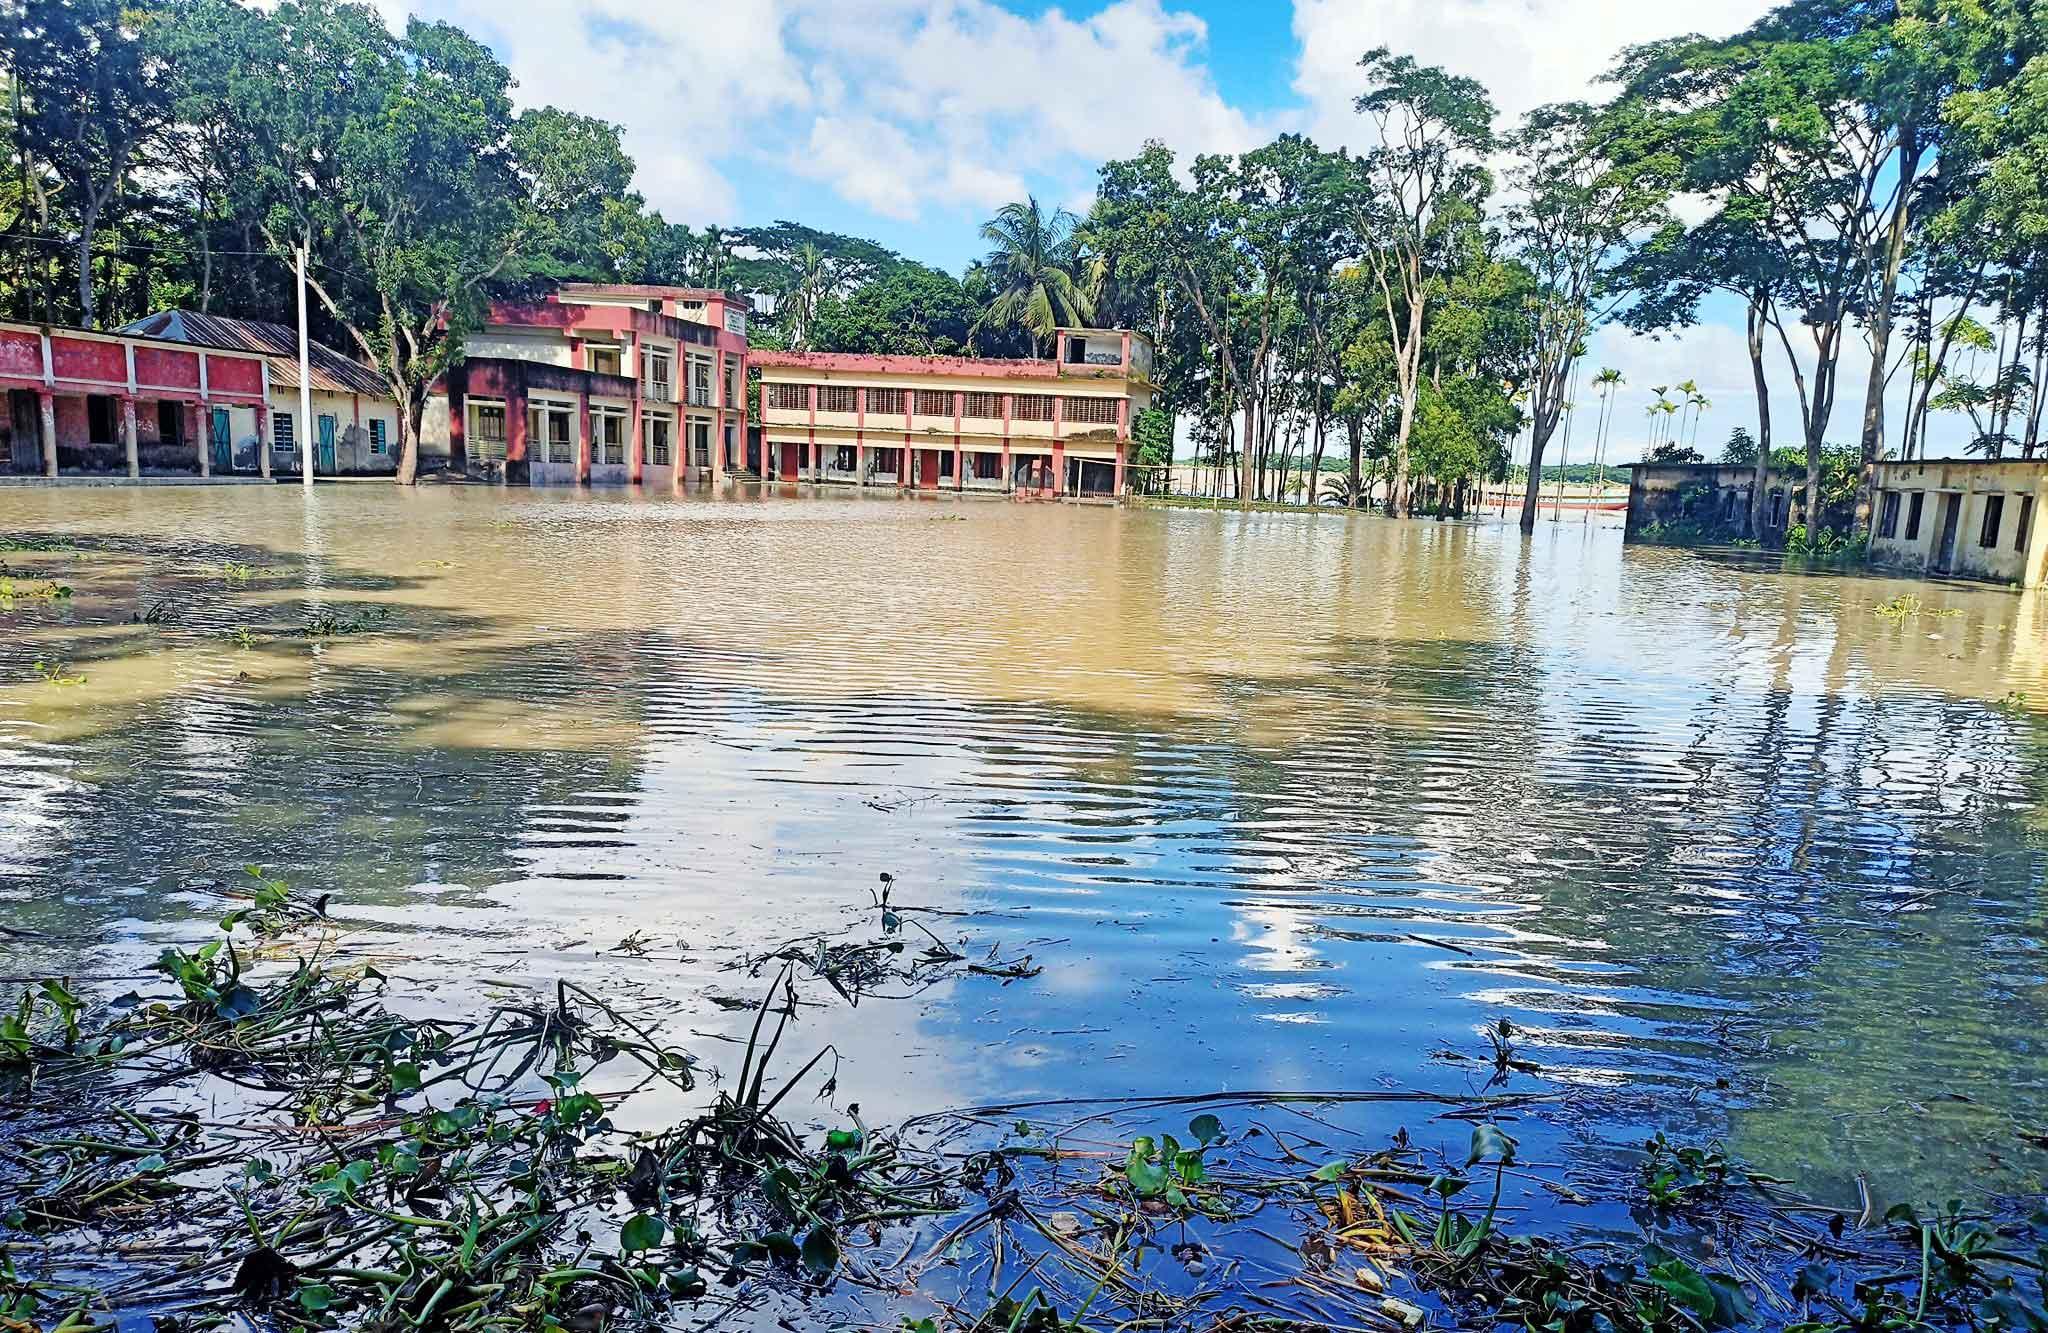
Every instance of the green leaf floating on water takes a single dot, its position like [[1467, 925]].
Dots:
[[643, 1232], [1329, 1171], [1685, 1285], [1147, 1178], [821, 1250], [1206, 1129], [1491, 1143]]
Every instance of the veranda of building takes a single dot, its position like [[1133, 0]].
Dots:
[[88, 404], [598, 384], [1059, 427]]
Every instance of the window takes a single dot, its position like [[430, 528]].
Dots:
[[1888, 515], [1913, 511], [787, 397], [984, 406], [945, 464], [2026, 524], [988, 467], [380, 443], [730, 460], [550, 426], [934, 403], [658, 383], [100, 427], [654, 440], [700, 443], [1994, 513], [1092, 411], [611, 437], [281, 431], [845, 459], [885, 402], [487, 422], [733, 396], [700, 381], [603, 359], [170, 423], [1031, 407], [835, 398]]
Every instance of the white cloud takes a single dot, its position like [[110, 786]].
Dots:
[[1526, 52], [898, 106]]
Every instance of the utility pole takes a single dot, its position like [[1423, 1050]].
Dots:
[[304, 433]]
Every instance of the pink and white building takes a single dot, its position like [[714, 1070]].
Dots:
[[80, 403], [945, 423], [599, 384]]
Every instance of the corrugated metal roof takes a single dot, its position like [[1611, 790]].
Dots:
[[332, 372]]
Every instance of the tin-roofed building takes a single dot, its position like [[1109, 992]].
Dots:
[[354, 429]]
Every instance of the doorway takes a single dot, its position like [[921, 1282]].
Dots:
[[1945, 541], [325, 462], [221, 439]]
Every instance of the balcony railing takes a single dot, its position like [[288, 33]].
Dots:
[[660, 391]]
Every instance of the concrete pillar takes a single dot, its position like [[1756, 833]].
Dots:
[[1009, 483], [959, 466], [129, 445], [633, 442], [1059, 447], [458, 422], [717, 450], [582, 438], [515, 427], [860, 463], [195, 431], [1118, 488], [47, 403], [860, 438], [263, 440]]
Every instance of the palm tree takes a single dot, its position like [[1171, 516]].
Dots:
[[1691, 392], [797, 303], [1608, 382], [1035, 264]]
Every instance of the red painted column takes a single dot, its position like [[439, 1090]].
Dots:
[[1008, 485], [959, 458], [860, 437], [1059, 446], [1118, 489], [582, 437], [817, 465], [635, 431], [515, 427], [195, 430], [1127, 351], [458, 422], [263, 439]]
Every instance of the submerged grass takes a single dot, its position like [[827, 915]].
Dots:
[[285, 1146]]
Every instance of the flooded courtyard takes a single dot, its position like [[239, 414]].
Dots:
[[1276, 802]]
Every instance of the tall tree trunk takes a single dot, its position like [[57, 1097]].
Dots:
[[1760, 492], [1881, 329]]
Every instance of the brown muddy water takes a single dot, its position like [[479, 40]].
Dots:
[[1277, 801]]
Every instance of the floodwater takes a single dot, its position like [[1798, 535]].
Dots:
[[1276, 801]]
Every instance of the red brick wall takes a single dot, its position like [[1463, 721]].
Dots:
[[78, 359], [21, 354], [162, 367], [229, 374]]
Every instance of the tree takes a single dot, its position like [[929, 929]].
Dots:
[[399, 164], [91, 92], [1423, 184], [1036, 263], [1590, 188], [910, 309]]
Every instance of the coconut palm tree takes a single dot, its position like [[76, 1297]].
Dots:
[[798, 301], [1036, 264], [1608, 382]]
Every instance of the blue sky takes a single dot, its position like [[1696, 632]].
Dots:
[[911, 121]]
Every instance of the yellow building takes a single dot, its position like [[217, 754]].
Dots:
[[1054, 428], [1967, 518]]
